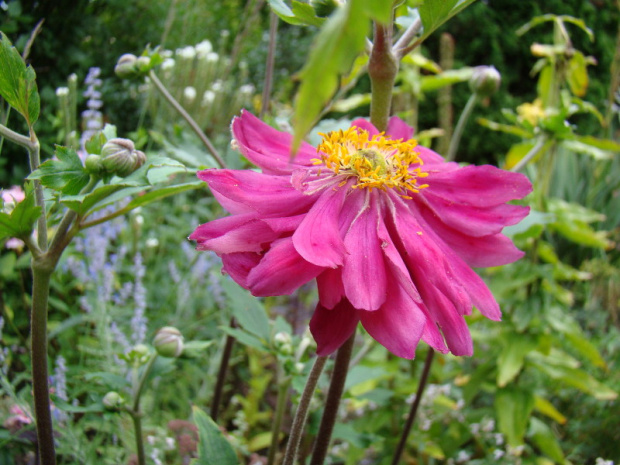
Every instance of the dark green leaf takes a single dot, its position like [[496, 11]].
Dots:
[[213, 448], [19, 223], [66, 174], [18, 82]]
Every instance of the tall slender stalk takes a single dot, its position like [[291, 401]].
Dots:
[[460, 126], [336, 388], [277, 419], [299, 422], [186, 116], [271, 59], [136, 414], [221, 374], [414, 407]]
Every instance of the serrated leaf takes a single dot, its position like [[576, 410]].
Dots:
[[18, 82], [434, 13], [65, 174], [340, 40], [213, 448], [513, 408], [20, 222]]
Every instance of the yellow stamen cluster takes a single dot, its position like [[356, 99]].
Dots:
[[378, 161]]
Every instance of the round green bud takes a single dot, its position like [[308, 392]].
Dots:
[[168, 342], [485, 81], [120, 157], [93, 165], [143, 64], [113, 401], [126, 66]]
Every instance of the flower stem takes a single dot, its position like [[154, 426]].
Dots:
[[136, 414], [460, 126], [277, 419], [271, 55], [414, 407], [186, 116], [41, 273], [221, 374], [382, 69], [302, 411], [336, 388], [540, 143]]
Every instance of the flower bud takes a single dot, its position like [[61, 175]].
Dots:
[[485, 81], [143, 64], [120, 157], [93, 164], [113, 401], [126, 66], [168, 342], [139, 353], [283, 343]]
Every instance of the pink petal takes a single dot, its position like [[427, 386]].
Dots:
[[281, 271], [242, 191], [237, 233], [331, 291], [267, 147], [398, 129], [317, 239], [397, 325], [331, 328], [365, 125], [239, 265], [363, 274], [491, 250], [481, 186], [472, 220]]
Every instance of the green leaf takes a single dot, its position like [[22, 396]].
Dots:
[[434, 13], [301, 14], [248, 310], [545, 407], [544, 438], [244, 337], [513, 408], [379, 11], [512, 356], [213, 448], [446, 78], [18, 82], [340, 40], [505, 128], [19, 223], [65, 174], [578, 74]]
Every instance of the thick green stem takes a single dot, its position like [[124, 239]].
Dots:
[[186, 116], [299, 422], [414, 407], [382, 69], [460, 126], [336, 388], [136, 417], [277, 419], [41, 272]]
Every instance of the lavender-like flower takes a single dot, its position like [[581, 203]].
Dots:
[[139, 321], [92, 117]]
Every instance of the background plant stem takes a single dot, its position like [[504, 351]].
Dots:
[[221, 374], [299, 422], [336, 388], [277, 419], [271, 55], [414, 407], [460, 126]]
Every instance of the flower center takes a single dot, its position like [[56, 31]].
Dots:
[[377, 162]]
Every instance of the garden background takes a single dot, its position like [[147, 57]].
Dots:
[[542, 385]]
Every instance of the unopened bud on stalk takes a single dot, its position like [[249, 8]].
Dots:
[[485, 81], [113, 401], [126, 66], [94, 165], [168, 342], [120, 157]]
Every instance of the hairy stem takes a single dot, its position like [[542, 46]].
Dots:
[[414, 407], [403, 44], [186, 116], [460, 126], [336, 388], [299, 422], [221, 374], [382, 69]]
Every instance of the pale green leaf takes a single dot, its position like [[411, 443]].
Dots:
[[545, 407], [544, 438], [512, 356], [248, 310], [213, 447], [65, 173], [513, 407]]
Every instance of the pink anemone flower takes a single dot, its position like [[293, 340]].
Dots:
[[389, 230]]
